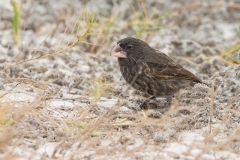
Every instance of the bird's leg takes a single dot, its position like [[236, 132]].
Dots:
[[144, 104], [169, 100]]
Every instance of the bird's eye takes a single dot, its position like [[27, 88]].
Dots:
[[128, 47]]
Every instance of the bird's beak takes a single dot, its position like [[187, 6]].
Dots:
[[118, 52]]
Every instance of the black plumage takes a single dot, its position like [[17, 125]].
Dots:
[[149, 70]]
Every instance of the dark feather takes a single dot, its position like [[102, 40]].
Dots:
[[163, 67], [151, 71]]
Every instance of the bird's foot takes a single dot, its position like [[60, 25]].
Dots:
[[144, 104], [169, 102]]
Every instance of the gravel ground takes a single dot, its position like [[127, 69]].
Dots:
[[62, 99]]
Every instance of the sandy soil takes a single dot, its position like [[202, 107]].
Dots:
[[62, 96]]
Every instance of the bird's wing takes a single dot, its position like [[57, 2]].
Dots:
[[163, 67]]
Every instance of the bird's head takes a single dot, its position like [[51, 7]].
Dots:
[[130, 48]]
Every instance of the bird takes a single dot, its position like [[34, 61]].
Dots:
[[151, 71]]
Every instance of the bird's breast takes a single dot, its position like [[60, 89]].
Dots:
[[135, 74], [130, 70]]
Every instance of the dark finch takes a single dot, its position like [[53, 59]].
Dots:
[[151, 71]]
